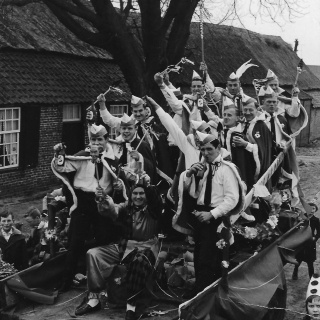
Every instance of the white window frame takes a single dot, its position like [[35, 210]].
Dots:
[[5, 132], [73, 119], [125, 107]]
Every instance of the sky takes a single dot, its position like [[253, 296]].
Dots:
[[305, 28]]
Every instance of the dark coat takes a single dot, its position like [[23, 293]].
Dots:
[[15, 250], [309, 251]]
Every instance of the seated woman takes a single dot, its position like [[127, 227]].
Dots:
[[138, 249]]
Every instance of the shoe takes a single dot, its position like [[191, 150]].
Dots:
[[87, 309], [295, 276], [190, 294], [130, 315]]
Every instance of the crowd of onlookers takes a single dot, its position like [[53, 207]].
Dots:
[[24, 249]]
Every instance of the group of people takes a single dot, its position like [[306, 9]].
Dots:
[[226, 140]]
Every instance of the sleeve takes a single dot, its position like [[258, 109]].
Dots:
[[249, 147], [209, 83], [174, 103], [177, 134], [109, 119], [57, 192], [69, 166], [294, 109], [212, 116], [231, 194]]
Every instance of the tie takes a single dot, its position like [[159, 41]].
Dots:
[[140, 131], [225, 138], [99, 165], [246, 126], [207, 193], [123, 158], [273, 128]]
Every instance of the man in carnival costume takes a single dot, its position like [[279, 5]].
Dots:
[[209, 192], [146, 128], [134, 155], [233, 90], [257, 138], [138, 249], [290, 107], [89, 176]]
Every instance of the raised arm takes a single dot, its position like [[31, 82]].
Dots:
[[174, 103], [107, 117]]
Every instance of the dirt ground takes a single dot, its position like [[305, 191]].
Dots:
[[309, 164]]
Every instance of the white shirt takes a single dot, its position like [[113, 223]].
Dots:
[[6, 235], [85, 170], [225, 189]]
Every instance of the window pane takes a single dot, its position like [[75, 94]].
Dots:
[[8, 125], [1, 160], [15, 114], [14, 148], [2, 114], [1, 125], [9, 114], [15, 125], [14, 137]]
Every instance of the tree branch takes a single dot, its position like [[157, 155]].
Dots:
[[81, 12], [92, 38]]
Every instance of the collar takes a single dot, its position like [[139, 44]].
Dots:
[[7, 233], [108, 153], [217, 159]]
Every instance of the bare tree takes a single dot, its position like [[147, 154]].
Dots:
[[144, 36]]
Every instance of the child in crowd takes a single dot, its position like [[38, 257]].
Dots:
[[12, 243], [313, 298]]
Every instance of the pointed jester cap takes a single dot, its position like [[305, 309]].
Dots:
[[266, 92], [127, 121], [205, 138], [97, 131], [136, 101]]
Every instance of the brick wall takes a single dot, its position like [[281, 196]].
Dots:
[[19, 182]]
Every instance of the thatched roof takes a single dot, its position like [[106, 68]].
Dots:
[[315, 70], [35, 27], [226, 48], [29, 77]]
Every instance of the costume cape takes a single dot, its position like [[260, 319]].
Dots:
[[187, 202], [259, 135], [247, 162], [110, 164]]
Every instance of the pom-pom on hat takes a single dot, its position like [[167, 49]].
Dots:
[[266, 92], [136, 101], [127, 121], [199, 125], [205, 138], [196, 76], [314, 286], [271, 75], [97, 131], [235, 76]]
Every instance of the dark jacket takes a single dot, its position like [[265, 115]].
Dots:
[[309, 252], [15, 250]]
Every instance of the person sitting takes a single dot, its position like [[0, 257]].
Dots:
[[12, 243], [33, 219], [138, 249]]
